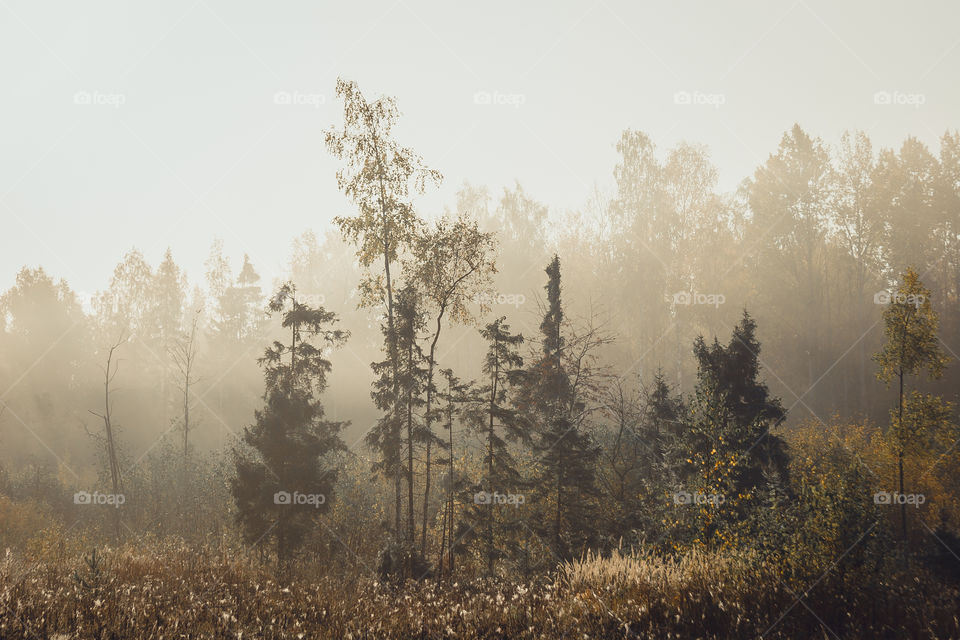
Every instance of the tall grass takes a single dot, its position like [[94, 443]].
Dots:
[[166, 589]]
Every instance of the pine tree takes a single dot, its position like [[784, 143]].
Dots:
[[456, 394], [497, 422], [663, 414], [239, 305], [284, 478], [218, 276], [400, 428], [726, 448], [165, 318], [736, 372], [567, 454], [643, 420], [169, 298]]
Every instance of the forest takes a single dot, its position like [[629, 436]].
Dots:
[[674, 411]]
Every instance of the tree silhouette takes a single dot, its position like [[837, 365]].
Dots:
[[284, 475]]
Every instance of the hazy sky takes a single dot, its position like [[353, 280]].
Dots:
[[154, 124]]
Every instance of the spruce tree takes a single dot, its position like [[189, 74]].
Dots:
[[566, 453], [725, 447], [284, 477], [498, 423], [399, 393], [454, 396], [662, 418], [735, 372]]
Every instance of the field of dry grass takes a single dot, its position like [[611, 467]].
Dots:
[[168, 590]]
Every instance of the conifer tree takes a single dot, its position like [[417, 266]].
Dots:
[[240, 305], [456, 394], [284, 475], [725, 447], [401, 427], [734, 371], [498, 422], [663, 413], [566, 452], [169, 298]]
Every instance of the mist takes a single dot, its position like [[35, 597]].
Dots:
[[408, 309]]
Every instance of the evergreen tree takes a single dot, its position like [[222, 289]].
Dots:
[[456, 394], [498, 422], [284, 478], [735, 370], [218, 276], [169, 293], [566, 453], [239, 305], [725, 448], [165, 320], [400, 428], [663, 415]]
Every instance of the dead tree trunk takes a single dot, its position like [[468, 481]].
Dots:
[[109, 373], [184, 355]]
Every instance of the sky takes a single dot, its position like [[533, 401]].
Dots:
[[167, 124]]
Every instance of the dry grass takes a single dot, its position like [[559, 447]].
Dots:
[[167, 590]]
